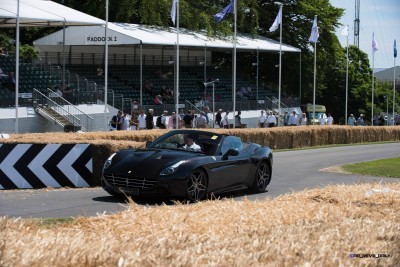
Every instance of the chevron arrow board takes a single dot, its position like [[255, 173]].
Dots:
[[41, 165]]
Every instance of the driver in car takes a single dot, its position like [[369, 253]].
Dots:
[[190, 144]]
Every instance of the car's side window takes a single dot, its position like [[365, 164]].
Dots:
[[231, 142]]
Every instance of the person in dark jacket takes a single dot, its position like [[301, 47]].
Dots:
[[149, 120]]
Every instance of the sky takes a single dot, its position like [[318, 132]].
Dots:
[[379, 16]]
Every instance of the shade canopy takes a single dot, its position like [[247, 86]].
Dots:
[[128, 34], [42, 13]]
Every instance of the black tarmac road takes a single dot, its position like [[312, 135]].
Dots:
[[292, 171]]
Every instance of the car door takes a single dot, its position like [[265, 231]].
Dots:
[[231, 171]]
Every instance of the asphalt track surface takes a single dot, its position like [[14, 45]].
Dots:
[[292, 171]]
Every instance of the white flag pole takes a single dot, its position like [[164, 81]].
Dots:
[[106, 71], [347, 76], [372, 98], [394, 87], [315, 75], [280, 64], [17, 70], [234, 64], [177, 67]]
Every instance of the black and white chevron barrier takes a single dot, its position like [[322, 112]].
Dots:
[[45, 165]]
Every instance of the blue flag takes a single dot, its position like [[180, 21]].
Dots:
[[375, 46], [394, 49], [314, 32], [228, 9], [173, 11]]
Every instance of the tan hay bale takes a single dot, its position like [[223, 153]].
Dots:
[[319, 227]]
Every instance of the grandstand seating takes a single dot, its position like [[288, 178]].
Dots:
[[125, 80]]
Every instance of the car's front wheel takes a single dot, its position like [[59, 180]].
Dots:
[[197, 185], [262, 177]]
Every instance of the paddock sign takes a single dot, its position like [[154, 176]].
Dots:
[[45, 165]]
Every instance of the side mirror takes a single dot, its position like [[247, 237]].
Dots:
[[230, 152], [148, 143]]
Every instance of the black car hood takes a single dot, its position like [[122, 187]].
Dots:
[[147, 162]]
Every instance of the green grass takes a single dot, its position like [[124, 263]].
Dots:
[[55, 221], [382, 168]]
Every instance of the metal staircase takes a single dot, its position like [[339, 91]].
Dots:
[[54, 107]]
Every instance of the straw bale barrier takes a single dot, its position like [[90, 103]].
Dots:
[[331, 226], [106, 143]]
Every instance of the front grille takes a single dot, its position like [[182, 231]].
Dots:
[[129, 181]]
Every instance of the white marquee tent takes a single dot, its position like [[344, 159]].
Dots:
[[130, 34], [42, 13], [38, 13]]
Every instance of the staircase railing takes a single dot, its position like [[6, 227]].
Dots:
[[62, 106]]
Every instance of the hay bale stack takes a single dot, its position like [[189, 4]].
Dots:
[[319, 227]]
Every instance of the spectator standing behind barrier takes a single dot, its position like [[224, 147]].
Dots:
[[376, 120], [271, 119], [125, 122], [164, 120], [188, 119], [149, 120], [321, 120], [360, 120], [134, 122], [262, 119], [201, 121], [351, 120], [303, 119], [172, 121], [225, 121], [218, 119], [329, 120], [293, 119], [141, 121], [286, 119], [238, 120], [116, 122]]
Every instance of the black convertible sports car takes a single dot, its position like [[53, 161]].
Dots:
[[188, 163]]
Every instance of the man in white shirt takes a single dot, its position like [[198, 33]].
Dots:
[[125, 122], [262, 120], [142, 121], [293, 119], [321, 120], [330, 119], [271, 119], [225, 121], [190, 144]]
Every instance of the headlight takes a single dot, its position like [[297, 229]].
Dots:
[[108, 161], [171, 169]]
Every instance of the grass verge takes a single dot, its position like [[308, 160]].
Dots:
[[382, 168]]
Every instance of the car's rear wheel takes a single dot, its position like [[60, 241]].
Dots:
[[262, 177], [197, 185]]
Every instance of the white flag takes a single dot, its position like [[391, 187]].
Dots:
[[277, 22], [374, 44], [173, 11], [314, 32], [345, 30]]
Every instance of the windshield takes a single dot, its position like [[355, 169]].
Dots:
[[196, 141]]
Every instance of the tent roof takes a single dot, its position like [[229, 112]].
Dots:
[[42, 13], [128, 34]]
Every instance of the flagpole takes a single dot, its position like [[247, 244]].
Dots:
[[347, 77], [234, 64], [17, 70], [177, 67], [372, 98], [280, 66], [315, 74], [394, 86], [106, 71]]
